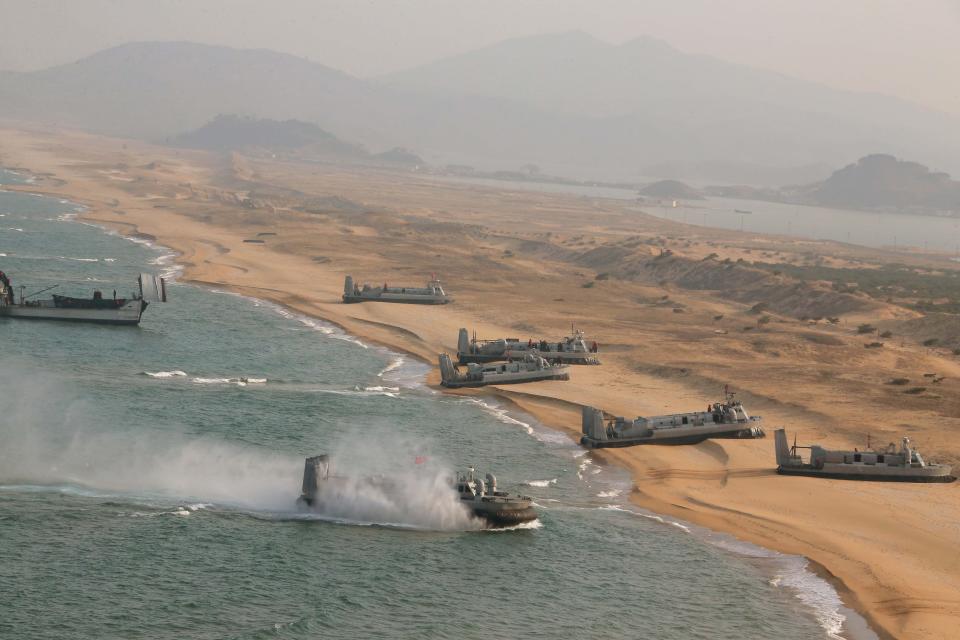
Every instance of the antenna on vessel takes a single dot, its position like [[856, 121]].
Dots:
[[35, 293]]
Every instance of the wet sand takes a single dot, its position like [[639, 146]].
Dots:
[[519, 264]]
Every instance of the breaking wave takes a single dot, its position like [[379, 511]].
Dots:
[[583, 466], [792, 572], [363, 391], [169, 268], [395, 364], [320, 326], [540, 483], [240, 382], [523, 526], [788, 571], [392, 391]]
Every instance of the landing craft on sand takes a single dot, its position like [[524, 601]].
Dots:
[[888, 465], [573, 349], [432, 293], [727, 419], [96, 309], [529, 369], [481, 498]]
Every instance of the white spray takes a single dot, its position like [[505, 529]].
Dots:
[[49, 437], [382, 477]]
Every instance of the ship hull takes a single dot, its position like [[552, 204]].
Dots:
[[129, 314], [456, 384], [871, 477], [398, 299], [678, 439], [551, 356], [506, 517]]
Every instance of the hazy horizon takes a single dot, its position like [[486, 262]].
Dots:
[[845, 47]]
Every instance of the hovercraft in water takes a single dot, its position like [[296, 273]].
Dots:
[[496, 508], [97, 308], [480, 497]]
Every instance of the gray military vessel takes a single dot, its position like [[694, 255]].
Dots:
[[727, 419], [530, 368], [432, 293], [97, 308], [496, 508], [572, 349], [481, 498], [892, 464]]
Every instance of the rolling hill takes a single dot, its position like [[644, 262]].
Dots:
[[569, 103], [881, 181], [236, 133]]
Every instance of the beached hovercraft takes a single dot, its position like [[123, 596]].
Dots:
[[530, 368], [727, 419], [432, 293], [891, 464], [573, 349]]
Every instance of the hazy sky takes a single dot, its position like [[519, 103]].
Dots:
[[908, 49]]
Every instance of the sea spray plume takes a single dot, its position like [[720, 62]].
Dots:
[[51, 436], [382, 478]]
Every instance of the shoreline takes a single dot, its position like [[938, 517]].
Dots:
[[862, 627], [511, 401], [663, 480], [856, 624]]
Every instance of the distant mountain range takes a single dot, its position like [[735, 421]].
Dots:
[[568, 103]]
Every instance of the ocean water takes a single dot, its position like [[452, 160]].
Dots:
[[869, 229], [878, 230], [148, 479]]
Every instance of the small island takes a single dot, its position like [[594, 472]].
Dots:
[[672, 189], [882, 181]]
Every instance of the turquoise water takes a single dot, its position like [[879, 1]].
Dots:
[[147, 492]]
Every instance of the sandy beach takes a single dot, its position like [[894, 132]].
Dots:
[[672, 307]]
